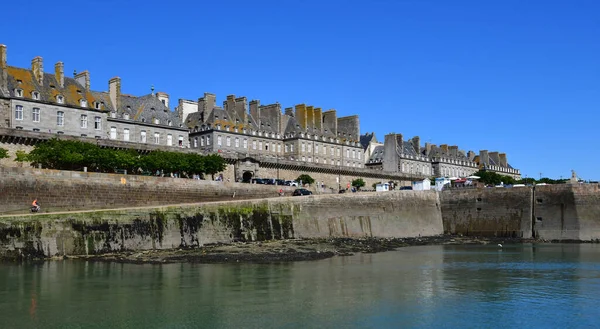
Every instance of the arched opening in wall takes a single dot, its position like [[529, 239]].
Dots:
[[247, 176]]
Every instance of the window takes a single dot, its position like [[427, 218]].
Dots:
[[113, 114], [97, 105], [303, 158], [60, 118], [316, 148], [19, 92], [353, 154], [347, 153], [291, 147], [19, 112], [332, 150], [126, 116], [309, 147], [113, 132], [237, 142], [97, 123], [169, 122], [219, 142], [228, 141], [245, 143], [60, 99], [303, 147], [83, 103], [254, 145], [196, 141], [207, 140], [126, 134], [156, 138], [35, 115], [35, 95], [338, 151], [260, 145], [169, 140], [83, 121], [143, 136], [286, 148], [278, 148]]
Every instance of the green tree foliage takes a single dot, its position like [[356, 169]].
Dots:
[[358, 183], [305, 179], [492, 178], [526, 181], [74, 155], [3, 153]]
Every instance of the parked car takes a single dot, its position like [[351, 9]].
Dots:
[[301, 191], [291, 183], [258, 181], [405, 187], [280, 182]]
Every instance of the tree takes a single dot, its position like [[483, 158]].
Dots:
[[3, 153], [213, 164], [492, 178], [358, 183], [305, 179]]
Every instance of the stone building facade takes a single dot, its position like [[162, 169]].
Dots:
[[264, 132], [31, 99], [409, 157]]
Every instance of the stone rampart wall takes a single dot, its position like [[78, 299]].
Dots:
[[393, 214], [58, 190], [488, 211]]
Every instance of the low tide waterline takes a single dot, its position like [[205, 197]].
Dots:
[[450, 286]]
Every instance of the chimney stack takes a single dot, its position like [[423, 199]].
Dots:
[[390, 149], [416, 142], [59, 73], [254, 105], [83, 79], [114, 90], [503, 161], [3, 59], [289, 111], [428, 148], [484, 158], [37, 66]]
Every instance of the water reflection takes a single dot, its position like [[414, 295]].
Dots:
[[450, 286]]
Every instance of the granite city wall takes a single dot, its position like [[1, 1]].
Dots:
[[393, 214], [502, 212], [58, 190], [567, 212]]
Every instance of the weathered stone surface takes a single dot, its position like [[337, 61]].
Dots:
[[393, 214]]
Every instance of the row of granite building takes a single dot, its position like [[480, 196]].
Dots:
[[34, 100]]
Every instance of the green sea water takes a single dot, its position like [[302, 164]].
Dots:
[[475, 286]]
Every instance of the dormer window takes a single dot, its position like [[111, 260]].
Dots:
[[156, 121], [126, 116], [98, 106], [35, 95], [83, 103], [152, 109], [169, 122], [143, 119], [19, 92], [113, 114], [60, 99]]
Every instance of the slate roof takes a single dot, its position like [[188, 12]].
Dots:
[[147, 108], [72, 92], [377, 155], [366, 139]]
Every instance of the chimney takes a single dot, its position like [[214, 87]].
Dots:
[[484, 157], [390, 149], [428, 148], [3, 59], [254, 105], [444, 148], [289, 111], [83, 79], [471, 155], [164, 98], [318, 117], [416, 142], [59, 73], [241, 109], [114, 90], [453, 151], [503, 161], [37, 66], [301, 115]]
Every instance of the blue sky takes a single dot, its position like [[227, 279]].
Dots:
[[521, 77]]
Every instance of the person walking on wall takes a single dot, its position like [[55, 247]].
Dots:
[[35, 206]]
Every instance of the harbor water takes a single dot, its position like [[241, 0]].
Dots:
[[467, 286]]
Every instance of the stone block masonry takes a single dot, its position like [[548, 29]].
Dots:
[[488, 212], [393, 214], [58, 190]]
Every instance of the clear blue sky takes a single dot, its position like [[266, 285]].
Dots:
[[521, 77]]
